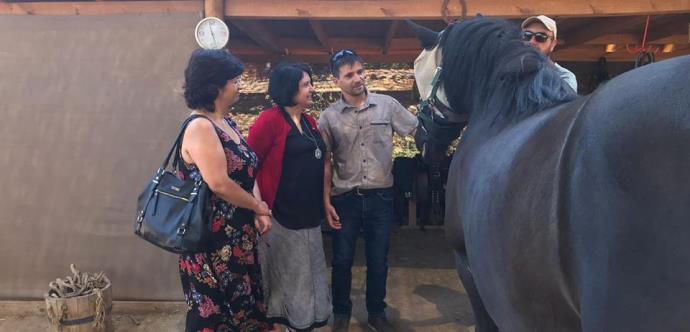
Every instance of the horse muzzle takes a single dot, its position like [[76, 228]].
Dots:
[[435, 132]]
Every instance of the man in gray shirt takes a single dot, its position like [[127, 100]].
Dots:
[[358, 194], [541, 32]]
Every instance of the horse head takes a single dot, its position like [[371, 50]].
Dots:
[[438, 124], [479, 69]]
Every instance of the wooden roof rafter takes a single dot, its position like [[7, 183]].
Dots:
[[321, 34], [259, 34], [390, 33], [665, 27], [593, 28]]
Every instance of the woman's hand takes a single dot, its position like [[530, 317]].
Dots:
[[263, 223], [261, 209]]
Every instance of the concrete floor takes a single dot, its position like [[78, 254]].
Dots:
[[424, 294]]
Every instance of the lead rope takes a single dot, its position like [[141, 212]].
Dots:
[[56, 314], [99, 319], [78, 284]]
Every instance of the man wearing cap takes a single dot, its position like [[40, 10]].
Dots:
[[541, 32], [358, 188]]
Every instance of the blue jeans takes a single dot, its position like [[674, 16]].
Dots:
[[373, 212]]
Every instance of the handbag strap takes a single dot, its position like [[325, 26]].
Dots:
[[178, 141]]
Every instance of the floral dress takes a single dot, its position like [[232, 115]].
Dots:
[[222, 286]]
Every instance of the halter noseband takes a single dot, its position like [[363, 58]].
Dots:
[[438, 124]]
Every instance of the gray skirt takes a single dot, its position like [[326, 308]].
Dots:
[[295, 278]]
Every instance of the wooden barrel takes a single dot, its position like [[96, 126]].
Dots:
[[91, 312]]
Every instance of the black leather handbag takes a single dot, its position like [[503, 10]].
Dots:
[[174, 214]]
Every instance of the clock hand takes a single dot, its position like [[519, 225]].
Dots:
[[212, 34]]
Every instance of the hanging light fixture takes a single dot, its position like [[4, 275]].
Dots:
[[668, 48], [610, 48]]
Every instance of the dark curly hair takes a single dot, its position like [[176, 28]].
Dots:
[[284, 82], [207, 73]]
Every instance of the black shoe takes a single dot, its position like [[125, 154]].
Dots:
[[341, 323], [380, 324]]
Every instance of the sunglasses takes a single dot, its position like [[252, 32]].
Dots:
[[341, 54], [539, 37]]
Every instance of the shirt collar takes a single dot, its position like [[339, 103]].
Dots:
[[342, 105]]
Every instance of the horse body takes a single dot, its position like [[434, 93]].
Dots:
[[577, 217], [506, 219]]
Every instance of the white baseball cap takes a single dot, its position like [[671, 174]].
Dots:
[[549, 23]]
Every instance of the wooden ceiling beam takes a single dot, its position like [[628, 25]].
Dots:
[[321, 34], [591, 55], [672, 39], [390, 33], [301, 46], [323, 57], [100, 7], [355, 9], [615, 38], [406, 57], [663, 27], [214, 8], [260, 34], [593, 28], [631, 39], [358, 44], [354, 43], [431, 9], [412, 44], [586, 53]]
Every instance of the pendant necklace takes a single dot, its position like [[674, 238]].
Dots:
[[310, 136]]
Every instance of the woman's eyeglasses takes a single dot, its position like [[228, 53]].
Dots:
[[539, 37]]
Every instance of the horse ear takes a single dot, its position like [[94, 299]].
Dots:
[[427, 37]]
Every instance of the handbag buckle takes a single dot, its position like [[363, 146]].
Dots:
[[181, 231]]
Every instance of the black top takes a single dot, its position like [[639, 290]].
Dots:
[[299, 201]]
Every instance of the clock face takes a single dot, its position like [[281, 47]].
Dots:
[[211, 33]]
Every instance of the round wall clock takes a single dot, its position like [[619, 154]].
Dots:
[[211, 33]]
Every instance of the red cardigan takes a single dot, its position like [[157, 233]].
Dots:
[[267, 138]]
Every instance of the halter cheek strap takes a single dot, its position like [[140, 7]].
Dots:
[[438, 108], [434, 88]]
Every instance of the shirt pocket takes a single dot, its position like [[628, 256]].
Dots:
[[381, 131]]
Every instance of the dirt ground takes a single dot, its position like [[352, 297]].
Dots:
[[424, 294]]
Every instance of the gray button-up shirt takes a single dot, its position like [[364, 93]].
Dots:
[[362, 141]]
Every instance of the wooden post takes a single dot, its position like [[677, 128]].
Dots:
[[412, 205], [412, 212], [214, 8]]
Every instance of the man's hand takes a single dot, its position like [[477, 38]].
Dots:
[[332, 217], [263, 223]]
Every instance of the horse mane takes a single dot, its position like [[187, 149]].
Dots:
[[489, 71]]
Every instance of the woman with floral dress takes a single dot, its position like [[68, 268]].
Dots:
[[222, 285]]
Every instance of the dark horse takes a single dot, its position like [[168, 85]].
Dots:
[[566, 212]]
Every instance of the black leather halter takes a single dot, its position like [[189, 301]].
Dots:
[[438, 124]]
